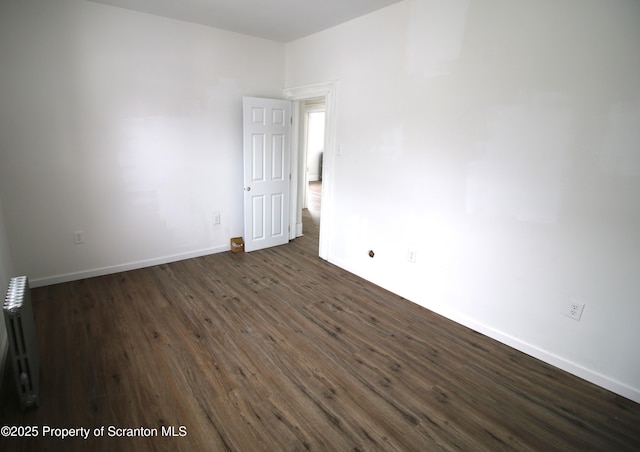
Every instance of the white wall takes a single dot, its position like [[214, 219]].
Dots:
[[126, 126], [500, 140]]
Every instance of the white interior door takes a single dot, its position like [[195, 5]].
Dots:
[[267, 163]]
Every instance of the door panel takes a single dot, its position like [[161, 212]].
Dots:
[[277, 157], [258, 156], [267, 161], [257, 209], [277, 226]]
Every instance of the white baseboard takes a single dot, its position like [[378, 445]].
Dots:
[[548, 357], [585, 373], [46, 281]]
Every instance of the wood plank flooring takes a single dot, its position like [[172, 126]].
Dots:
[[277, 350]]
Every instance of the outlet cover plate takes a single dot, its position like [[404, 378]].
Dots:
[[574, 310], [411, 256], [78, 237]]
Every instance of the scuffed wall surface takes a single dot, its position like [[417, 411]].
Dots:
[[498, 141], [125, 126]]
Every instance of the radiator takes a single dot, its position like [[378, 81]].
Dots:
[[18, 317]]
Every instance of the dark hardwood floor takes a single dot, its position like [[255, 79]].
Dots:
[[279, 350]]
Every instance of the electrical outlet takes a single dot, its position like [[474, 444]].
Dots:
[[215, 216], [411, 255], [78, 237], [575, 310]]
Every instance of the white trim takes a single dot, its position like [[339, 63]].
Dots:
[[74, 276], [310, 91], [304, 153], [546, 356], [328, 91], [293, 180]]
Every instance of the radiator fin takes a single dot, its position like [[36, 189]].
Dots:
[[18, 317]]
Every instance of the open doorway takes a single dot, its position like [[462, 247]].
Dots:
[[322, 95], [313, 154]]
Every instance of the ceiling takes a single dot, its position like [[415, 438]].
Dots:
[[278, 20]]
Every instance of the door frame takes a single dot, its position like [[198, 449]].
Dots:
[[298, 95]]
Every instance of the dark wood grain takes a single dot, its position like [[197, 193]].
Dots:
[[279, 350]]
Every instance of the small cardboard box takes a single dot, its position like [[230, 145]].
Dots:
[[237, 245]]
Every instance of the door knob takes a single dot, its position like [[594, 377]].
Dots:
[[248, 188]]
